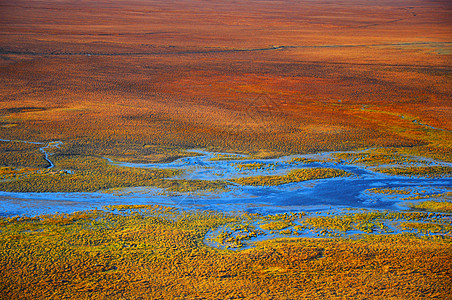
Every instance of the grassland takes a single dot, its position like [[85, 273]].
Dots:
[[154, 252], [150, 91], [244, 231], [143, 81], [90, 174], [21, 155]]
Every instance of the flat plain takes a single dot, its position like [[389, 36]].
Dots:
[[196, 149]]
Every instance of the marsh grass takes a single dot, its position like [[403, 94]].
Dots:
[[276, 225], [390, 191], [89, 174], [293, 176], [158, 252], [424, 171], [377, 157], [433, 205], [19, 154], [248, 166]]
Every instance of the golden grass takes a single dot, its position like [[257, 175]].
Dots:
[[434, 205], [276, 225], [249, 166], [153, 252], [292, 176], [431, 172], [377, 157], [390, 191], [89, 174], [21, 155]]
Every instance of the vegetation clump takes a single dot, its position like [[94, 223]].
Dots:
[[376, 158], [430, 171], [221, 157], [234, 235], [292, 176], [433, 205], [249, 166], [276, 225], [303, 160], [426, 228], [390, 191], [10, 173]]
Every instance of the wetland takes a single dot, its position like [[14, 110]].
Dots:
[[209, 150]]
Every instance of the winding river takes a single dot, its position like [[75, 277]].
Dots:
[[355, 191]]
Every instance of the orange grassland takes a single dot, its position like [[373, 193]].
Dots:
[[141, 80]]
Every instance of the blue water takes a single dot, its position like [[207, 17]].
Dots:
[[314, 195]]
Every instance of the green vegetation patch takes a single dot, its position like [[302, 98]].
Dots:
[[9, 173], [366, 222], [235, 234], [292, 176]]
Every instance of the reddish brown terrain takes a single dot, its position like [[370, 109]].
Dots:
[[256, 76]]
